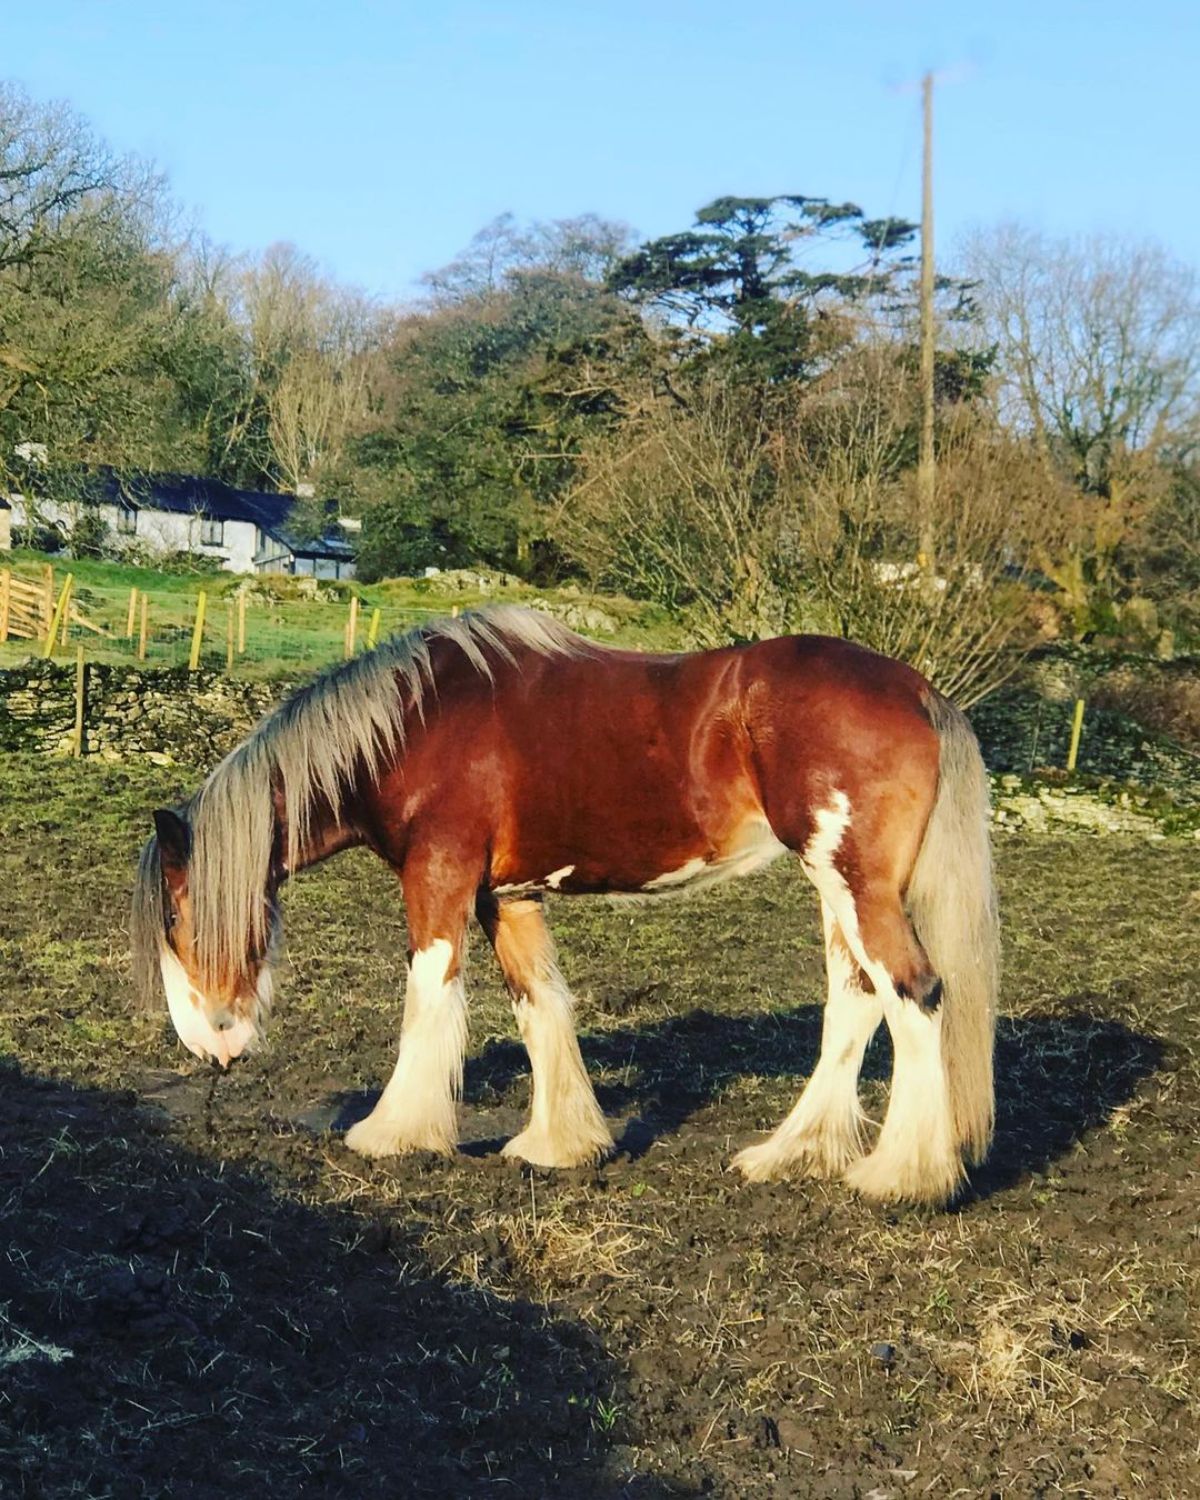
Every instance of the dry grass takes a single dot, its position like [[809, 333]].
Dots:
[[1043, 1338]]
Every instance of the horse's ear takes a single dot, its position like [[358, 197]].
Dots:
[[174, 843]]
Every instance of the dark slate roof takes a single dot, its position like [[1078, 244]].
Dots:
[[190, 494]]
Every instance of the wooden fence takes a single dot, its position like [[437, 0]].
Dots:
[[35, 610], [210, 628], [26, 608]]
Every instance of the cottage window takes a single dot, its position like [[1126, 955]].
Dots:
[[212, 533], [127, 519]]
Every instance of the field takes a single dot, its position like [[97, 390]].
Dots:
[[204, 1294], [289, 629]]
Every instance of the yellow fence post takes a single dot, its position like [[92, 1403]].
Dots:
[[373, 630], [229, 636], [80, 681], [141, 654], [132, 619], [60, 614], [1076, 732], [197, 632], [352, 627], [5, 601], [66, 614], [241, 623]]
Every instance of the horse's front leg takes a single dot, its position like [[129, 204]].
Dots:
[[566, 1128], [417, 1111]]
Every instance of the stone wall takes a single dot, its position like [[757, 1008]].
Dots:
[[166, 714], [172, 715]]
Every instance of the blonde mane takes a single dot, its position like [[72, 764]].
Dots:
[[309, 752]]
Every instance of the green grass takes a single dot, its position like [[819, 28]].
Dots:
[[286, 632]]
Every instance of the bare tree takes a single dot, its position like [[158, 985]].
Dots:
[[585, 247], [1098, 358], [1098, 342], [53, 173], [681, 507], [853, 528], [322, 394], [309, 349]]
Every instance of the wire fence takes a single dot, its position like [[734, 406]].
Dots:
[[240, 630]]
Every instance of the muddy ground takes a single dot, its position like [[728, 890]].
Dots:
[[202, 1293]]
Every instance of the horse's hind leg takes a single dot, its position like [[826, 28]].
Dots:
[[566, 1128], [916, 1156], [824, 1132], [417, 1111]]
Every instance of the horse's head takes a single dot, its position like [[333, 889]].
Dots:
[[218, 991]]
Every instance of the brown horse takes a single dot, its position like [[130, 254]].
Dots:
[[490, 758]]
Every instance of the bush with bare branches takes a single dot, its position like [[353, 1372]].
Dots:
[[762, 511]]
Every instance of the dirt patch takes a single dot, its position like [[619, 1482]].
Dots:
[[205, 1293], [175, 1326]]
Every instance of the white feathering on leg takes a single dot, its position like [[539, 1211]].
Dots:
[[825, 1131], [566, 1128], [417, 1110]]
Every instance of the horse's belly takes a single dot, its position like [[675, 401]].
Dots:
[[638, 869], [753, 847]]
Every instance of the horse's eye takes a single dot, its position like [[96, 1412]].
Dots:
[[172, 920]]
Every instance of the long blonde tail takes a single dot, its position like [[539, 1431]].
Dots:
[[952, 903]]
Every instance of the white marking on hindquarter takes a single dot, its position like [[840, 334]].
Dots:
[[826, 840], [752, 847], [189, 1014], [817, 860]]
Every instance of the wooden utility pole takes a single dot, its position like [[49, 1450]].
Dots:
[[925, 467]]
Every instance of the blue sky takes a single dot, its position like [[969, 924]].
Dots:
[[380, 136]]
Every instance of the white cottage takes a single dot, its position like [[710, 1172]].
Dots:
[[248, 531]]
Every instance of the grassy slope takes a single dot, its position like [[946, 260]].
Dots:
[[286, 633]]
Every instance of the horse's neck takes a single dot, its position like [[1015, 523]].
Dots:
[[327, 833]]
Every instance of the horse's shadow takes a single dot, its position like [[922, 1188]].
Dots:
[[1058, 1076], [175, 1325]]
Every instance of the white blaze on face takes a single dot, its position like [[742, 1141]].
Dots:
[[189, 1015]]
